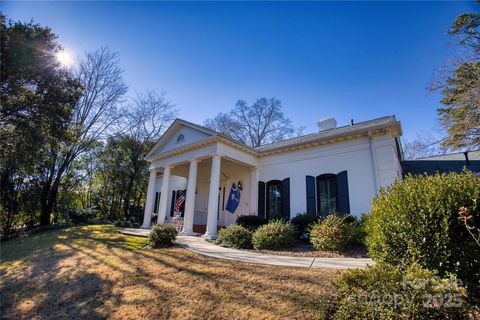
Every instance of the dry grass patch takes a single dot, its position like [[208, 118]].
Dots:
[[94, 272]]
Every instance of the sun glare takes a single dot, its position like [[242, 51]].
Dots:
[[65, 58]]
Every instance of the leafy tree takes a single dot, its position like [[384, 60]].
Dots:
[[38, 98], [65, 142], [260, 123], [460, 115]]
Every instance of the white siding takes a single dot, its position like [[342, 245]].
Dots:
[[387, 160], [353, 156], [366, 161]]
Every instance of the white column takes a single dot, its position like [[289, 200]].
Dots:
[[164, 196], [253, 191], [213, 199], [190, 198], [147, 216]]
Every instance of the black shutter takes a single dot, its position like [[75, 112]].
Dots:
[[223, 199], [342, 193], [155, 207], [261, 199], [286, 198], [311, 210], [172, 206], [182, 207]]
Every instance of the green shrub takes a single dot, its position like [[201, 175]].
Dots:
[[86, 215], [277, 234], [134, 225], [351, 219], [302, 223], [384, 291], [331, 233], [121, 224], [235, 236], [251, 222], [126, 224], [416, 219], [162, 235], [63, 217], [357, 229]]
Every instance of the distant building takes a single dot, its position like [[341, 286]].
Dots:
[[453, 162]]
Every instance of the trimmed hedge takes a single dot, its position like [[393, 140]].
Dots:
[[302, 223], [416, 219], [358, 229], [275, 235], [235, 236], [162, 235], [126, 224], [384, 291], [331, 233], [251, 222]]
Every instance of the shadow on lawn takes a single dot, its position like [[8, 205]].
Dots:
[[35, 284], [219, 282], [94, 272]]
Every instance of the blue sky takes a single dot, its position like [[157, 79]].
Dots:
[[346, 60]]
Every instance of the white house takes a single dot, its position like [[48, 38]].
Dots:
[[338, 169]]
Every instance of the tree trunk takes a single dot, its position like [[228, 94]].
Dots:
[[49, 197], [46, 207], [126, 199]]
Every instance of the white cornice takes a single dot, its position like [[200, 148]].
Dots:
[[393, 129]]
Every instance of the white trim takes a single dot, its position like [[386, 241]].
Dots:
[[374, 163]]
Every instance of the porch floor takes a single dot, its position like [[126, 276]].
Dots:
[[200, 245]]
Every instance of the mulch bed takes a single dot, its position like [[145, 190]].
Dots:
[[304, 249]]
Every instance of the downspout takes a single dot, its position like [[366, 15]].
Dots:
[[467, 161], [374, 162]]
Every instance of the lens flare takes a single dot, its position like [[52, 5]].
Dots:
[[65, 58]]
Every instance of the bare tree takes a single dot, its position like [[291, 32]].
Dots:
[[255, 125], [226, 124], [148, 115], [146, 118], [103, 90], [424, 145]]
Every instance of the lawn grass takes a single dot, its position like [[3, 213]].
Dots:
[[93, 272]]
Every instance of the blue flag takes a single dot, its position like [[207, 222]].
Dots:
[[233, 199]]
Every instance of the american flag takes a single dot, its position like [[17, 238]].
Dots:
[[180, 201]]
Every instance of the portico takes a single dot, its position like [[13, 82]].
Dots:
[[207, 167]]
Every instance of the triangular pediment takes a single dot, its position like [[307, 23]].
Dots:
[[181, 133]]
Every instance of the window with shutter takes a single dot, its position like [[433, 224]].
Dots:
[[326, 194], [274, 199]]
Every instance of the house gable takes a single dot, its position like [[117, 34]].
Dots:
[[183, 135], [180, 134]]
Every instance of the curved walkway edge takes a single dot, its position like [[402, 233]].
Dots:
[[201, 246]]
